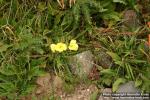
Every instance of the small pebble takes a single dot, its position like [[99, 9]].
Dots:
[[88, 90]]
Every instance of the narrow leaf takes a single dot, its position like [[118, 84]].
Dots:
[[117, 83]]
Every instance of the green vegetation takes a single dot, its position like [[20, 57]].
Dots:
[[29, 27]]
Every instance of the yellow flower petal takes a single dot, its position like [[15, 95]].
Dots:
[[73, 41], [73, 46], [52, 46], [60, 47]]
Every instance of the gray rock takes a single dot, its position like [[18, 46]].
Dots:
[[130, 20], [104, 59], [128, 88], [57, 83], [82, 63]]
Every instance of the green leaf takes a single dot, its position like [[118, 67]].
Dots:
[[107, 81], [41, 6], [94, 95], [86, 13], [38, 50], [1, 1], [146, 86], [76, 13], [120, 1], [117, 83], [8, 70], [3, 47], [129, 71], [137, 61], [119, 63], [28, 89], [67, 19], [138, 82], [58, 18], [35, 71], [8, 86], [111, 15], [108, 71], [114, 56]]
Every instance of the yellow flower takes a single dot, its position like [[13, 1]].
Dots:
[[60, 47], [52, 46], [73, 45], [73, 42]]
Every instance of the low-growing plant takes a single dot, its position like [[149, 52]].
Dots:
[[131, 62], [60, 53]]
